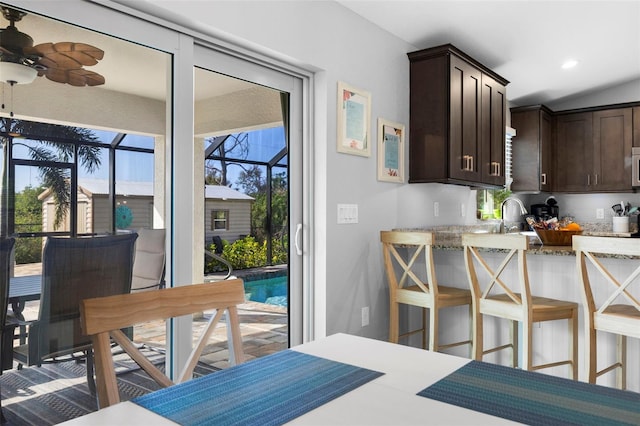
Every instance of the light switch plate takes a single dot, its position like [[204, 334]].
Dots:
[[347, 213]]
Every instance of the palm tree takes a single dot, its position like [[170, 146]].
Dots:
[[55, 144]]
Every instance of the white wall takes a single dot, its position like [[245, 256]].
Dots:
[[624, 92]]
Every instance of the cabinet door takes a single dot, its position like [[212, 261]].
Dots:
[[574, 152], [612, 140], [636, 126], [546, 176], [464, 113], [493, 127], [525, 149]]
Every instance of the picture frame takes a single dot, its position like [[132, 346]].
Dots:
[[354, 120], [390, 151]]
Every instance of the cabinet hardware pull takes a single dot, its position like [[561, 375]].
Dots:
[[596, 178], [498, 169], [588, 180], [467, 163], [543, 178]]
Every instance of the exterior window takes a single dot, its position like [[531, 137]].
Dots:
[[220, 220]]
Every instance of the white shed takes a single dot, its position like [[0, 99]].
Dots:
[[228, 212]]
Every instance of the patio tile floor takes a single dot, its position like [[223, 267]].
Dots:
[[264, 328]]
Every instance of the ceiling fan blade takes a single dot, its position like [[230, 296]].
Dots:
[[66, 54], [75, 77]]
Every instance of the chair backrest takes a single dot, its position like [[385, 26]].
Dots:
[[6, 250], [491, 283], [613, 292], [74, 269], [103, 318], [418, 269], [149, 263]]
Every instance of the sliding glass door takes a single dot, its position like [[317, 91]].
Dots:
[[248, 129]]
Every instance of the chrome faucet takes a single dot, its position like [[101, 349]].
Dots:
[[523, 211]]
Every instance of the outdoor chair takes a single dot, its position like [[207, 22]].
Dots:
[[412, 281], [104, 318], [74, 269], [149, 263], [6, 329], [500, 295]]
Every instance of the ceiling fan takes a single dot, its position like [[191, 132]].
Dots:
[[64, 62]]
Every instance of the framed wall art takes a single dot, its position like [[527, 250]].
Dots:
[[390, 151], [354, 110]]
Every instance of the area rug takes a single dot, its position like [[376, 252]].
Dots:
[[54, 393]]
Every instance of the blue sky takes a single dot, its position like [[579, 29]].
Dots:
[[139, 167]]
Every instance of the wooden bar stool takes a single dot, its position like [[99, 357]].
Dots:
[[513, 300], [607, 313], [407, 287]]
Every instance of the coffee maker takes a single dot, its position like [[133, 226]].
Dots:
[[547, 210]]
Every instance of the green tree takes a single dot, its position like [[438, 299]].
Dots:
[[255, 185], [53, 145], [28, 219]]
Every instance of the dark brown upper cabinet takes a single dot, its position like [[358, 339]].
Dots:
[[457, 119], [593, 151], [532, 149]]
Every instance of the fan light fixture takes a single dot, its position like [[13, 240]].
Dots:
[[13, 73]]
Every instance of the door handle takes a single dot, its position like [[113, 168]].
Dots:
[[297, 238]]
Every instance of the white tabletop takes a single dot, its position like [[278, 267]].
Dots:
[[388, 400]]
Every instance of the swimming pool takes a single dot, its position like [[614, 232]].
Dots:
[[273, 291]]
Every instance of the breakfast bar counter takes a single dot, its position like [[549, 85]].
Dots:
[[450, 238]]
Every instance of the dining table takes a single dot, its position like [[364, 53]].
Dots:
[[344, 379]]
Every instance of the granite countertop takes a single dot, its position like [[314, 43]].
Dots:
[[450, 238]]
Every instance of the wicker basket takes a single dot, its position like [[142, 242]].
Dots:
[[556, 238]]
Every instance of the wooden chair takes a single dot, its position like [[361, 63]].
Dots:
[[607, 314], [104, 318], [513, 301], [412, 282]]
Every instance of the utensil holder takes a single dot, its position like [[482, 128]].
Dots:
[[620, 224]]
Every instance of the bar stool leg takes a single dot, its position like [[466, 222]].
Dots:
[[573, 342], [433, 330], [621, 373], [393, 322], [515, 342]]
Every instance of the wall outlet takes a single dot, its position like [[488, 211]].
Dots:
[[365, 316], [599, 213], [436, 209]]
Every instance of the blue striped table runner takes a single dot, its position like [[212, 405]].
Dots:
[[534, 398], [267, 391]]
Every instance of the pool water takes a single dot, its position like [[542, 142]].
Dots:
[[272, 291]]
